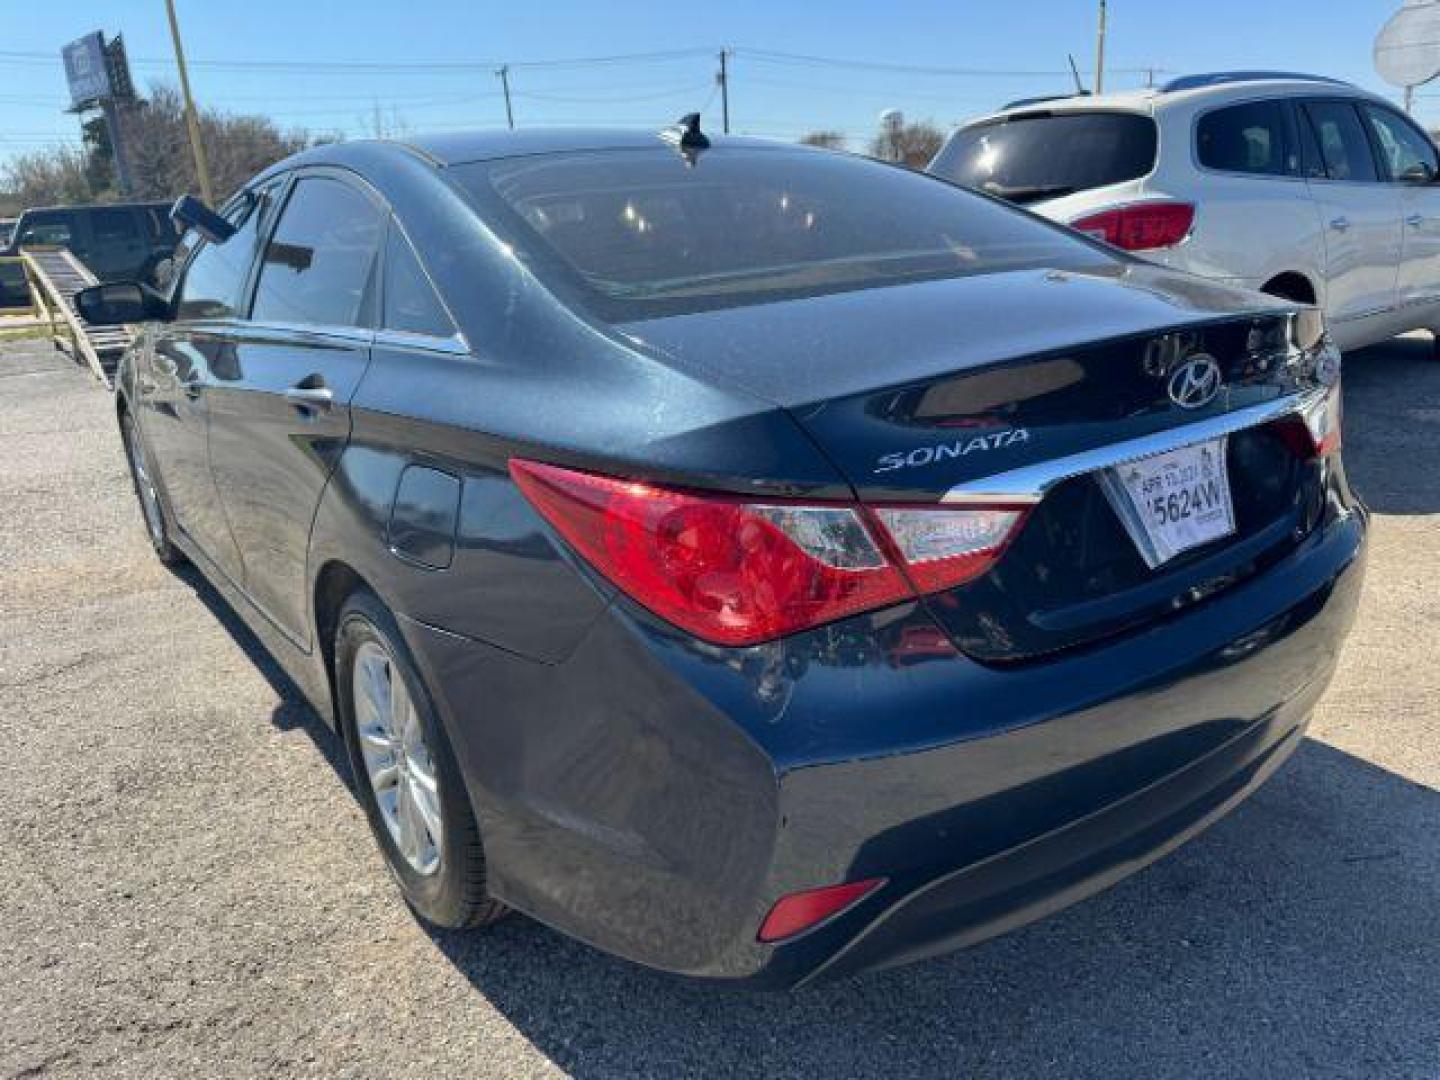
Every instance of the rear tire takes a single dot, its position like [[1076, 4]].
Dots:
[[148, 495], [405, 771]]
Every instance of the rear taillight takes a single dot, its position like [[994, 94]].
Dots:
[[1323, 422], [1140, 226], [739, 572], [1316, 430]]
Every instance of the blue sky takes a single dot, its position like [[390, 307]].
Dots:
[[427, 64]]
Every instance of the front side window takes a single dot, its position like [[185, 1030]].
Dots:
[[158, 224], [1405, 150], [1344, 147], [316, 268], [640, 233], [1250, 138], [215, 278], [411, 305], [1029, 157], [114, 227]]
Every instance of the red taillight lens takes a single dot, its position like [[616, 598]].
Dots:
[[1141, 227], [736, 572], [800, 911], [728, 571]]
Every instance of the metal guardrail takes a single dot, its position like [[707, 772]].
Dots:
[[55, 275]]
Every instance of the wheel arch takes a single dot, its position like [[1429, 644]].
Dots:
[[1292, 285], [334, 582]]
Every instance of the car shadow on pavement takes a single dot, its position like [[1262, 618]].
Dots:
[[1297, 937], [292, 711], [1392, 425]]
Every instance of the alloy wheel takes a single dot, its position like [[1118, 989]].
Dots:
[[398, 762]]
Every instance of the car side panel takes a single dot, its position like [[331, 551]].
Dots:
[[507, 583], [272, 458]]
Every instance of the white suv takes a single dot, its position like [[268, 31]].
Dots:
[[1296, 185]]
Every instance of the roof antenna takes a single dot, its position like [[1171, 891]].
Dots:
[[687, 137], [1079, 86]]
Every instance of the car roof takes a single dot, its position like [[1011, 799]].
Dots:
[[459, 147], [462, 147], [1217, 86], [99, 206]]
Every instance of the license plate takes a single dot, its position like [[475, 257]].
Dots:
[[1174, 501]]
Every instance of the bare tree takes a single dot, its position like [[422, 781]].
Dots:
[[237, 146], [826, 139], [47, 177], [381, 125], [912, 143], [161, 165]]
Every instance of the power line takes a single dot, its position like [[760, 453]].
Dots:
[[353, 66], [774, 56]]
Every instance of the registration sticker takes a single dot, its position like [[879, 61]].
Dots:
[[1174, 501]]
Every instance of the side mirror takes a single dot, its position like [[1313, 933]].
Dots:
[[1419, 173], [190, 213], [117, 304]]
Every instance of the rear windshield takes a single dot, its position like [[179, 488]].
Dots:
[[1033, 156], [639, 233]]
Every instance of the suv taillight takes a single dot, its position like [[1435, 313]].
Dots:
[[1140, 226], [736, 571]]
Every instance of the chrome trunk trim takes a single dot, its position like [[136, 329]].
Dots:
[[1030, 483]]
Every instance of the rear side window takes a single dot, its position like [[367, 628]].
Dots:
[[317, 265], [642, 233], [1403, 147], [1032, 156], [46, 228], [114, 227], [1344, 147], [411, 305], [1250, 138]]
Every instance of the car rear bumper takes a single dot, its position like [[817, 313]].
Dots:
[[972, 903], [655, 797]]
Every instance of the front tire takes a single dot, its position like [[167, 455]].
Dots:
[[145, 491], [405, 772]]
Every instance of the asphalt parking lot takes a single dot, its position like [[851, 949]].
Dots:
[[188, 888]]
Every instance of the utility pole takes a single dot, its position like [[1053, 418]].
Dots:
[[504, 72], [1100, 53], [192, 123], [202, 166], [724, 80]]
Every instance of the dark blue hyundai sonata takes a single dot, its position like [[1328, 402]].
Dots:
[[762, 563]]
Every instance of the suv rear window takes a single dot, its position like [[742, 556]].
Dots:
[[1042, 155], [640, 233]]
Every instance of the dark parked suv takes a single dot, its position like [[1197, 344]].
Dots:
[[763, 563], [117, 241]]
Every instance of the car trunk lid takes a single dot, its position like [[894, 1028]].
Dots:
[[956, 391]]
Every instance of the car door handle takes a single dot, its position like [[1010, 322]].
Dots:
[[1415, 220], [1340, 224], [313, 398]]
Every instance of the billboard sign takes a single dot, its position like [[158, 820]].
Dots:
[[86, 70]]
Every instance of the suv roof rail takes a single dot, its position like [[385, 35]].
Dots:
[[1218, 78]]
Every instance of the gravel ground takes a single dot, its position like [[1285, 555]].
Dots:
[[188, 888]]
